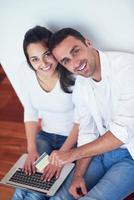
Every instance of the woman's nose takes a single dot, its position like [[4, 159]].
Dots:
[[43, 63]]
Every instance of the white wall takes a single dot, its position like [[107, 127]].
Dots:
[[108, 23]]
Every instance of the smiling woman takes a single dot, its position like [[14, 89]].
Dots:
[[49, 89], [44, 65]]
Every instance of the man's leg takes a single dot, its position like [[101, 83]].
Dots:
[[62, 193], [117, 183], [93, 174]]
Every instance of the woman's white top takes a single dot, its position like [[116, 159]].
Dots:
[[55, 108]]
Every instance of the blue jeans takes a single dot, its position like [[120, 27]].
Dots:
[[46, 142], [109, 176]]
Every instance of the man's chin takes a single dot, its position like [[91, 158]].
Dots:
[[84, 75]]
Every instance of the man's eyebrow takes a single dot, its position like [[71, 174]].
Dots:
[[71, 51], [63, 60]]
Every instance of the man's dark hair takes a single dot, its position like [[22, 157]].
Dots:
[[62, 34]]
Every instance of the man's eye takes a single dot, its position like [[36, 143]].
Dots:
[[65, 61], [75, 51]]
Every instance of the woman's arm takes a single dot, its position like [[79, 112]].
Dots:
[[52, 170], [72, 138], [31, 129]]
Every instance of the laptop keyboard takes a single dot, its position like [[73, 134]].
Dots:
[[33, 180]]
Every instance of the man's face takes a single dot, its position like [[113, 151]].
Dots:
[[77, 57]]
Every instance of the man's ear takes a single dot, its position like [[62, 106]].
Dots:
[[88, 43]]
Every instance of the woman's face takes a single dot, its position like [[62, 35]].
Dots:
[[41, 59]]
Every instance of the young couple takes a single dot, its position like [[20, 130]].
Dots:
[[103, 123]]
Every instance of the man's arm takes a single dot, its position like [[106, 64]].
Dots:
[[78, 186], [103, 144]]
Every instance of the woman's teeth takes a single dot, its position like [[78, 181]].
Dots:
[[46, 68]]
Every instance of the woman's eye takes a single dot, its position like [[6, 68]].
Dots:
[[34, 60], [47, 54]]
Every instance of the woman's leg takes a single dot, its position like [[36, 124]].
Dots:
[[27, 195], [19, 194], [46, 142], [43, 145]]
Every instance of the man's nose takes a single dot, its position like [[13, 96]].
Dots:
[[75, 63]]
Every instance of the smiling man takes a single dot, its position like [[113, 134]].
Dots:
[[85, 60], [104, 101]]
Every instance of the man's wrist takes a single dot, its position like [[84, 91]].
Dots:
[[78, 174], [76, 154]]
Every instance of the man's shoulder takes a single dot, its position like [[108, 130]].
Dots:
[[119, 55], [80, 85], [119, 61], [80, 80]]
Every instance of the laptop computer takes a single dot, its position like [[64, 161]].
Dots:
[[17, 178]]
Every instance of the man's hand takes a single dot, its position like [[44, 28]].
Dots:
[[50, 171], [29, 168], [78, 187], [60, 158]]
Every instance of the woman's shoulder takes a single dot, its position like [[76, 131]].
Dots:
[[27, 75]]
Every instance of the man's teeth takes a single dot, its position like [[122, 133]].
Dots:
[[82, 67]]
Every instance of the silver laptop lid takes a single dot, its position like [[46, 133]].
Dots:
[[7, 179]]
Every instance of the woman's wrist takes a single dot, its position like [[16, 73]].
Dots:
[[32, 149]]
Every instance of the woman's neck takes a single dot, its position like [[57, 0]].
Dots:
[[47, 82]]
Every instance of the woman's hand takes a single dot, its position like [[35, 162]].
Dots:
[[50, 171], [29, 167]]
